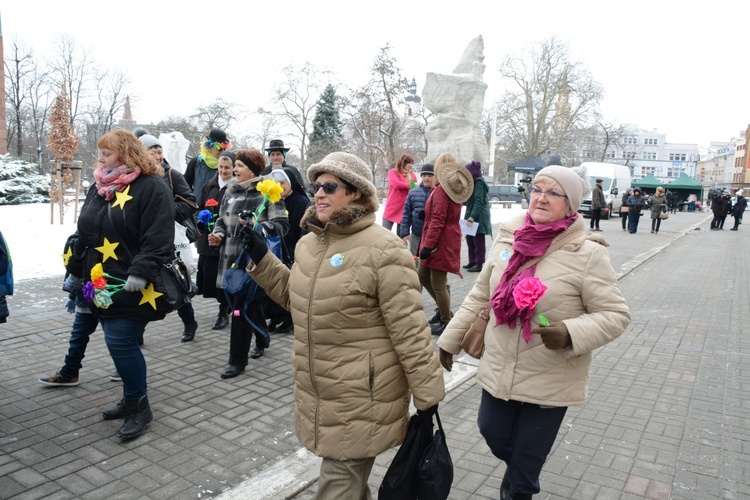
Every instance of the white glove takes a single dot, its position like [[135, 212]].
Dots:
[[134, 284]]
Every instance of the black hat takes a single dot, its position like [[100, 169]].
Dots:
[[276, 145], [554, 160], [218, 135], [427, 168], [228, 154], [599, 181]]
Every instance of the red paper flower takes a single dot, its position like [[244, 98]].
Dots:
[[212, 203], [99, 283], [528, 292]]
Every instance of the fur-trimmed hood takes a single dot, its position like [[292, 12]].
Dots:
[[344, 217]]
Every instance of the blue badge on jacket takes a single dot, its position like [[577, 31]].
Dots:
[[337, 260], [505, 255]]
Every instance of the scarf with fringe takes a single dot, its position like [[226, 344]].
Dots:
[[113, 180]]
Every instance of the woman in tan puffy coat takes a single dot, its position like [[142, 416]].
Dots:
[[531, 374], [362, 344]]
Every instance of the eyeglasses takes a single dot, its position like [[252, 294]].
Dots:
[[536, 193], [328, 187]]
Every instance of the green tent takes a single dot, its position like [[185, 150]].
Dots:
[[648, 182], [685, 185]]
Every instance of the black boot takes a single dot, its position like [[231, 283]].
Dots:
[[505, 487], [514, 495], [435, 318], [222, 320], [188, 334], [438, 328], [139, 415], [119, 411]]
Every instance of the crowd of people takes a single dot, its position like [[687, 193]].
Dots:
[[337, 280]]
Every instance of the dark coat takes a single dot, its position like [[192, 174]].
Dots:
[[739, 206], [636, 203], [4, 263], [296, 206], [597, 198], [142, 228], [412, 220], [197, 174], [478, 206], [442, 232], [210, 191]]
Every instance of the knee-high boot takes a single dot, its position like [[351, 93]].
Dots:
[[505, 487], [139, 415]]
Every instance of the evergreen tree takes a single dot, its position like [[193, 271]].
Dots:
[[327, 135]]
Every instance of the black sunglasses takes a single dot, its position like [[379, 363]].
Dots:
[[328, 187]]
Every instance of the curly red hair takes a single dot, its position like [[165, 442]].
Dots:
[[130, 151]]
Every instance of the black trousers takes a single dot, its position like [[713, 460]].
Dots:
[[596, 216], [241, 334], [521, 435]]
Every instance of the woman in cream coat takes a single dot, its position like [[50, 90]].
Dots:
[[529, 374]]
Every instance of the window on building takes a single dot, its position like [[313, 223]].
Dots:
[[649, 156], [675, 172], [677, 157], [629, 155], [648, 170], [651, 142], [631, 140], [609, 154]]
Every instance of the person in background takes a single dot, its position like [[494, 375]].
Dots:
[[184, 211], [208, 257], [478, 212], [353, 297], [717, 207], [440, 248], [531, 374], [738, 209], [125, 235], [692, 199], [658, 205], [412, 220], [635, 204], [726, 205], [675, 201], [277, 158], [296, 203], [624, 208], [401, 180], [6, 278], [242, 198], [598, 203], [203, 166]]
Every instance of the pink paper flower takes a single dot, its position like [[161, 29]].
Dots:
[[527, 293]]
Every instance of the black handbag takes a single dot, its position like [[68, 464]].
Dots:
[[176, 284], [422, 467]]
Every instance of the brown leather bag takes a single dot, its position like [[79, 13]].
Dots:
[[472, 341]]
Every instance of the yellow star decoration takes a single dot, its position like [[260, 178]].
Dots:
[[66, 256], [107, 250], [150, 295], [122, 198]]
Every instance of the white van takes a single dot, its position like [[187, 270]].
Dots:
[[616, 181]]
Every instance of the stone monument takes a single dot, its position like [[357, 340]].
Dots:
[[458, 100]]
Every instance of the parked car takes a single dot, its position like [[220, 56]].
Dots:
[[505, 192]]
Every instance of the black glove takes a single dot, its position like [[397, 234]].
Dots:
[[255, 243], [420, 215], [429, 412], [426, 253]]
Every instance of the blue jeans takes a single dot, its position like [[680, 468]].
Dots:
[[121, 336], [83, 326], [633, 219]]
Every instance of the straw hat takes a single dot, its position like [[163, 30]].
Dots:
[[456, 181]]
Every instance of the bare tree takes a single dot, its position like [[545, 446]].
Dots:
[[73, 68], [550, 100], [266, 130], [19, 67], [297, 97], [219, 114], [40, 102], [108, 102]]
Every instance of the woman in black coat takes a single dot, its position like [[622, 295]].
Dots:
[[210, 199], [636, 202]]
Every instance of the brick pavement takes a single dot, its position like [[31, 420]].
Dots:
[[210, 435]]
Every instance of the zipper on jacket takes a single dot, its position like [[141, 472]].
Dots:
[[372, 377], [309, 337]]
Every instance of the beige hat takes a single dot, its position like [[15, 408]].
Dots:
[[572, 183], [456, 181], [346, 167]]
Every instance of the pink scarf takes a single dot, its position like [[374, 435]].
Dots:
[[530, 240], [116, 179]]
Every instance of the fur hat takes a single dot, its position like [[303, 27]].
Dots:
[[427, 169], [346, 167], [456, 180], [149, 141], [572, 183], [475, 169]]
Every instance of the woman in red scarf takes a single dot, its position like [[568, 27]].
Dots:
[[542, 269]]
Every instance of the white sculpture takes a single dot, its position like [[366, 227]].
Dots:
[[458, 100], [175, 148]]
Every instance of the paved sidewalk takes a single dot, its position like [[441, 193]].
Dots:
[[681, 356]]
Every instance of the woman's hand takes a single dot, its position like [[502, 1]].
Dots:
[[214, 240], [446, 360], [555, 336]]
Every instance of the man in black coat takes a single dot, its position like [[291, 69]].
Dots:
[[738, 209], [277, 157]]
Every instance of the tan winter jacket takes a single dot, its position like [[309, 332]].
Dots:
[[361, 338], [582, 292]]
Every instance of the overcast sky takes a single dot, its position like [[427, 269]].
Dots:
[[665, 65]]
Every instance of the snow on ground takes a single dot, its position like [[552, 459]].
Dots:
[[36, 246]]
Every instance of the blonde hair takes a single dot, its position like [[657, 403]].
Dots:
[[130, 151]]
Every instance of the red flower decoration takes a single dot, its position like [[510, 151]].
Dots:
[[528, 292], [100, 283], [212, 203]]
